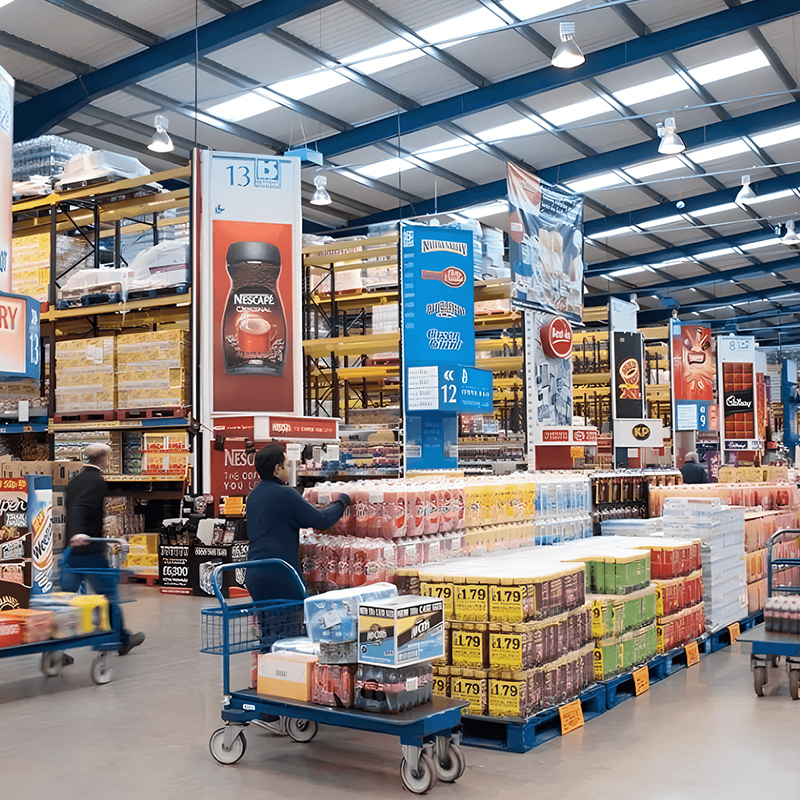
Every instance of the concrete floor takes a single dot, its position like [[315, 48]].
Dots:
[[701, 733]]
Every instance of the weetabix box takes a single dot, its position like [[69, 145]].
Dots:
[[401, 631]]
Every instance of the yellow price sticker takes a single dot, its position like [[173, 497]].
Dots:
[[735, 631], [692, 654], [571, 717], [641, 680]]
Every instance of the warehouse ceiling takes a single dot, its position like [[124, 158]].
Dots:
[[417, 107]]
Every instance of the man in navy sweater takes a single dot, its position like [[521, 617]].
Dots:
[[275, 515], [692, 472]]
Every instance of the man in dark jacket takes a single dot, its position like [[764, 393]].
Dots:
[[85, 510], [275, 515], [692, 471]]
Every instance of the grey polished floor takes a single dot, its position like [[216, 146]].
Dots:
[[700, 734]]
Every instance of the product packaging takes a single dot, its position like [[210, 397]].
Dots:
[[286, 675]]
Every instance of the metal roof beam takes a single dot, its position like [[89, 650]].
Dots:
[[655, 45], [37, 115], [760, 315], [108, 21]]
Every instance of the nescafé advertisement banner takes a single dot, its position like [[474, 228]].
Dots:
[[545, 245]]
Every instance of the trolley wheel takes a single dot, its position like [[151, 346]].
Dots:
[[421, 780], [216, 744], [101, 672], [52, 663], [794, 683], [450, 768], [759, 680], [301, 730]]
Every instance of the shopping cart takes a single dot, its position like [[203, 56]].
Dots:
[[430, 735], [53, 651], [770, 646]]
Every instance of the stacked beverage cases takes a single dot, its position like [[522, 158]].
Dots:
[[398, 524]]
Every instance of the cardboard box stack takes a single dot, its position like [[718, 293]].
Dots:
[[31, 258], [86, 378], [724, 567], [121, 519], [143, 553], [153, 369], [13, 392], [519, 632], [70, 445]]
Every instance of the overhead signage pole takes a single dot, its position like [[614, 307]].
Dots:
[[6, 172]]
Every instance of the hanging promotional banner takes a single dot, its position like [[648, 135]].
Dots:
[[737, 389], [693, 376], [627, 375], [622, 315], [20, 346], [6, 173], [761, 395], [248, 273], [790, 398], [545, 245], [438, 344]]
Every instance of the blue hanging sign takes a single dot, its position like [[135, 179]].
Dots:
[[20, 347]]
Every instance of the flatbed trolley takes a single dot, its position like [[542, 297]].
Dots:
[[770, 646], [430, 735], [53, 650]]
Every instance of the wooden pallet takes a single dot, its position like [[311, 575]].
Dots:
[[160, 412], [84, 416], [147, 580]]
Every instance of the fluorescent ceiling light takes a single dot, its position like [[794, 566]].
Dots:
[[486, 210], [320, 81], [706, 212], [723, 251], [706, 154], [612, 232], [759, 245], [629, 271], [242, 107], [651, 90], [657, 167], [511, 130], [577, 111], [655, 223], [671, 262], [5, 2], [602, 181], [777, 137], [439, 153], [729, 67], [389, 166]]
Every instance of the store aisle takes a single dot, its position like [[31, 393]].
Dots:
[[700, 733]]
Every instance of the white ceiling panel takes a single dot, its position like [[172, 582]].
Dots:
[[179, 84], [124, 104], [783, 37], [166, 18], [351, 102], [425, 80], [541, 150], [264, 60], [29, 69], [609, 135], [658, 16], [519, 55]]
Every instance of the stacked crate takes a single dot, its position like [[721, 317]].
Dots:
[[153, 369], [86, 379]]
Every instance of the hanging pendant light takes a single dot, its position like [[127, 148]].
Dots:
[[321, 196], [567, 55], [161, 142], [671, 144], [746, 194]]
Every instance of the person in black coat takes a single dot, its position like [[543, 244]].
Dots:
[[85, 510], [275, 515], [692, 472]]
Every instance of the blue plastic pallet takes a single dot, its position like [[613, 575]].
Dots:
[[714, 642], [520, 736], [621, 688]]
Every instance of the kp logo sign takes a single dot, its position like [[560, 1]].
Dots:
[[641, 432]]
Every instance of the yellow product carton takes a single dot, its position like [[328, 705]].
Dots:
[[94, 612], [508, 693], [437, 586], [471, 603], [470, 685], [469, 644]]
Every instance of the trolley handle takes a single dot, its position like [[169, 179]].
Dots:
[[259, 563], [776, 537]]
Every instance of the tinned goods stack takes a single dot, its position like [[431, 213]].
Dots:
[[153, 369], [519, 633], [86, 380], [721, 529]]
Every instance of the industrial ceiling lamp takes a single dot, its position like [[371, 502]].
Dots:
[[746, 194], [321, 196], [671, 144], [161, 143], [791, 239], [567, 55]]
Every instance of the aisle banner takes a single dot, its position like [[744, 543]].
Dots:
[[438, 343], [20, 345], [736, 357], [248, 275], [6, 173], [790, 398], [545, 245], [627, 375], [693, 375], [550, 390], [761, 395]]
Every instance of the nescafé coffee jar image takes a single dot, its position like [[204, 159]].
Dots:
[[254, 327]]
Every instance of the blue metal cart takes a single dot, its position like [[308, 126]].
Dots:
[[770, 646], [430, 735], [53, 651]]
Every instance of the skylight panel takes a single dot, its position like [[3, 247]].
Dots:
[[722, 251], [759, 245], [765, 198], [485, 210], [656, 167], [448, 150], [577, 111], [706, 154], [777, 137], [707, 212], [465, 25], [651, 90], [611, 232], [389, 166], [729, 67], [621, 273], [306, 85], [524, 9], [655, 223], [242, 107], [511, 130], [602, 181]]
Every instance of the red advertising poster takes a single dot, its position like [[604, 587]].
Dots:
[[693, 370], [253, 317], [233, 470]]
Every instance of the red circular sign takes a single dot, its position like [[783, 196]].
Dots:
[[557, 338]]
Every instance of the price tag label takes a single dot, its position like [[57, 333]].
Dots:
[[468, 648], [641, 680], [692, 654], [505, 651], [444, 592], [735, 631], [508, 603], [506, 698], [471, 603], [571, 717]]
